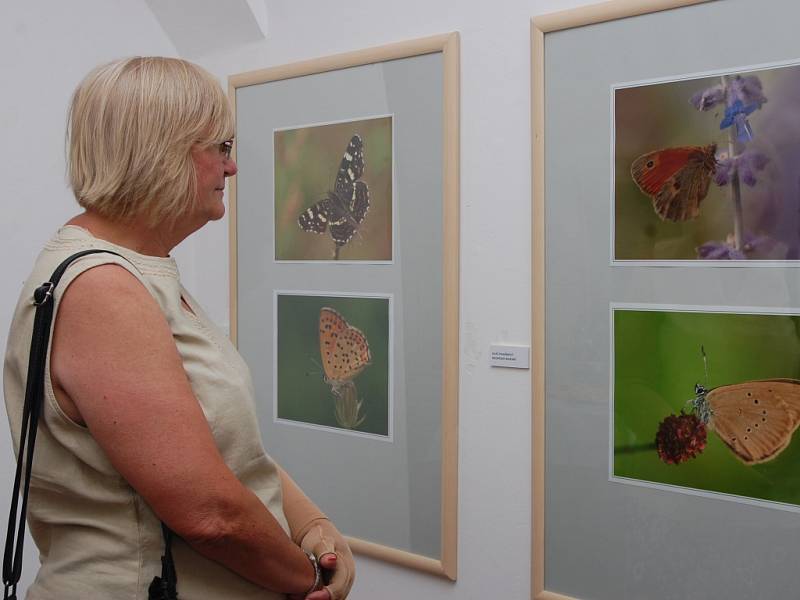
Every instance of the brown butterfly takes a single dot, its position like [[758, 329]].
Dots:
[[755, 419], [677, 179], [344, 349]]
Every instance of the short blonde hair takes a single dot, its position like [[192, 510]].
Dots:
[[130, 133]]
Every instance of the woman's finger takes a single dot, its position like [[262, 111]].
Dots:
[[322, 594], [328, 560]]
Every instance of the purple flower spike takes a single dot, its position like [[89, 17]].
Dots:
[[747, 90], [759, 242], [744, 132], [715, 250], [725, 170], [708, 98], [736, 114], [747, 164]]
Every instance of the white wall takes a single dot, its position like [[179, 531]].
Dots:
[[495, 404], [45, 49], [47, 46]]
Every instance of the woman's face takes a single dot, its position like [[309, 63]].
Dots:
[[212, 165]]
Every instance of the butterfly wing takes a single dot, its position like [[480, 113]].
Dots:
[[344, 208], [344, 349], [342, 232], [351, 168], [359, 203], [351, 193], [316, 218], [677, 179], [353, 352], [756, 419]]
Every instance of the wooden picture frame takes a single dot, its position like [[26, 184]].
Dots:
[[584, 37], [356, 279]]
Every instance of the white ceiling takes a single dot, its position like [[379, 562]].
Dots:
[[198, 27]]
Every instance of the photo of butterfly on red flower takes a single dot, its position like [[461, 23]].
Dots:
[[709, 168], [708, 401]]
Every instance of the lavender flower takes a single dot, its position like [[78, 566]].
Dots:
[[747, 164], [736, 114], [717, 250], [747, 90], [708, 98]]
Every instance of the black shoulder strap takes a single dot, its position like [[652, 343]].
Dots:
[[34, 398]]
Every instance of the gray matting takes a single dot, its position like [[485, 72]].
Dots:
[[608, 540], [384, 492]]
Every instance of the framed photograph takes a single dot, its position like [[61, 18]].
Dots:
[[344, 232], [705, 169], [707, 402], [333, 191], [346, 387], [639, 337]]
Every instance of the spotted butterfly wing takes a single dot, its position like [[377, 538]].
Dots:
[[343, 209], [755, 419], [676, 179], [344, 348]]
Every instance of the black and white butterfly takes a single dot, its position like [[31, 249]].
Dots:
[[343, 209]]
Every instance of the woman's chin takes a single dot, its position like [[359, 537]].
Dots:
[[217, 215], [217, 211]]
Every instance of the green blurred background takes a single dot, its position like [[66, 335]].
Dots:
[[657, 361], [306, 162], [657, 116], [303, 395]]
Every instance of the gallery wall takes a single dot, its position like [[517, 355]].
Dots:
[[48, 46]]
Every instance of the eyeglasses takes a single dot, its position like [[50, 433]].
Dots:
[[225, 149]]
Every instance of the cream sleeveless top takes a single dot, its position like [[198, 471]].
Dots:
[[96, 536]]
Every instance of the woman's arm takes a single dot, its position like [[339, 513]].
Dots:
[[115, 367], [311, 530]]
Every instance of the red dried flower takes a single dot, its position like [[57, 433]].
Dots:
[[679, 438]]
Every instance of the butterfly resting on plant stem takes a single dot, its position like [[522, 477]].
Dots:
[[344, 349], [343, 209], [676, 179], [345, 353]]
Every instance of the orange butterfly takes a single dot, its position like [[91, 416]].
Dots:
[[344, 349], [677, 179], [755, 419]]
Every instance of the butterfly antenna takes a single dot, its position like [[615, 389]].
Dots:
[[705, 363], [318, 371]]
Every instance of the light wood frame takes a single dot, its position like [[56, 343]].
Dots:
[[448, 45], [540, 27]]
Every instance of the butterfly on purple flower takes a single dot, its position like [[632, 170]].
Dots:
[[343, 209]]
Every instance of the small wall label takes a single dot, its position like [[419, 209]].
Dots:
[[515, 357]]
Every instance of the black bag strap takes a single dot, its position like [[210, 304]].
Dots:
[[34, 399], [165, 587]]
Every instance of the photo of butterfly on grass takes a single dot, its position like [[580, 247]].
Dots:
[[333, 362], [708, 401], [333, 191], [709, 168]]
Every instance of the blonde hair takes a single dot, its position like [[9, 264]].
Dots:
[[131, 129]]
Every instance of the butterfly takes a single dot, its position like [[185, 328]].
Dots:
[[677, 179], [343, 209], [755, 419], [344, 349]]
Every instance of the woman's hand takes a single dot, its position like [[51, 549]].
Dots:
[[325, 542]]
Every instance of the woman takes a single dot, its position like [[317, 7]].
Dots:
[[149, 413]]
